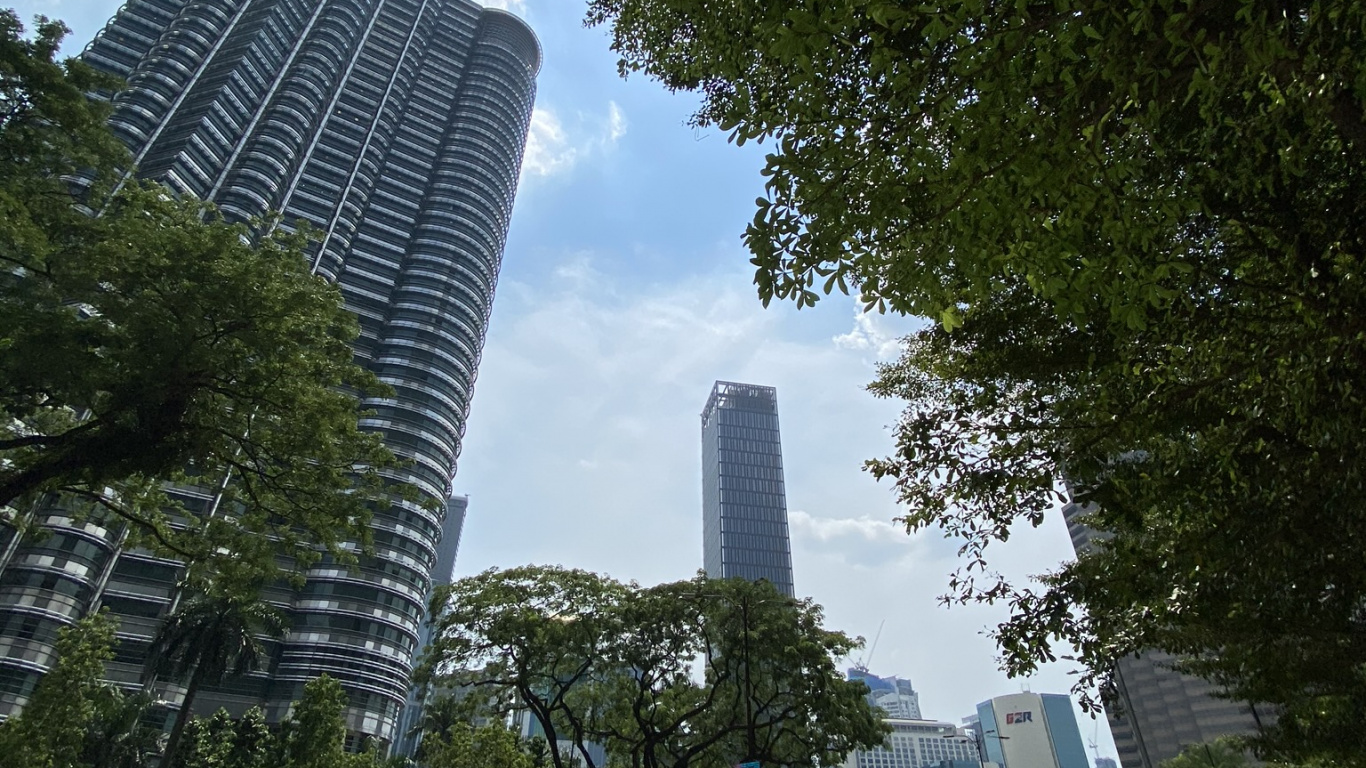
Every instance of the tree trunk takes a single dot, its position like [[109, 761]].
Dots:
[[182, 717]]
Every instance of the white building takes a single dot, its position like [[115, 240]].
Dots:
[[919, 744], [1030, 730]]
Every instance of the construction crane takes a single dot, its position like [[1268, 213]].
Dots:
[[862, 664]]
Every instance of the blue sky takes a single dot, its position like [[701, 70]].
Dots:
[[625, 291]]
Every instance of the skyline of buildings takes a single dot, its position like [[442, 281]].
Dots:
[[395, 129], [744, 500]]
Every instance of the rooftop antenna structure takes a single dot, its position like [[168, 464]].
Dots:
[[862, 664], [1095, 751]]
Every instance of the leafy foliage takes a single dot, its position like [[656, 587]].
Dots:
[[209, 638], [694, 673], [315, 733], [463, 745], [1219, 754], [1139, 227], [118, 736], [146, 340], [50, 732]]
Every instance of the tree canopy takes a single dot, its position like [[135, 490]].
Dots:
[[144, 340], [696, 673], [463, 745], [50, 732], [1219, 754], [1138, 226]]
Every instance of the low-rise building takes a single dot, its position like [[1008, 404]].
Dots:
[[919, 744]]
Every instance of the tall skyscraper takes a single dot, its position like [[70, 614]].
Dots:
[[1161, 710], [395, 128], [744, 504], [1030, 730]]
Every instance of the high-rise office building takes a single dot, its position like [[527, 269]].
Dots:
[[893, 695], [744, 503], [1030, 730], [395, 128], [1161, 711]]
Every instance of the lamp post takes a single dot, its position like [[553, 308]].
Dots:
[[980, 757], [981, 754]]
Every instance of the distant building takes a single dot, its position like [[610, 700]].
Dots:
[[893, 695], [744, 502], [918, 744], [448, 547], [1160, 710], [1030, 730]]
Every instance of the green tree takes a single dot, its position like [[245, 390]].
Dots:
[[442, 711], [315, 732], [146, 340], [467, 746], [50, 732], [1219, 754], [1139, 229], [205, 742], [537, 633], [117, 737], [252, 741], [314, 735], [209, 638], [537, 751], [700, 673]]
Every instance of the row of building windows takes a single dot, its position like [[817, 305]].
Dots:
[[732, 524], [741, 502], [733, 483], [736, 451], [767, 419]]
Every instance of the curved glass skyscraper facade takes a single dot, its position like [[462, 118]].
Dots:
[[744, 501], [394, 128]]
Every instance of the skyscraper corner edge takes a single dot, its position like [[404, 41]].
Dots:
[[529, 44]]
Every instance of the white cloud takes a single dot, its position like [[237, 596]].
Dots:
[[616, 122], [548, 150], [516, 6], [863, 542], [584, 449], [552, 148], [827, 529], [871, 333]]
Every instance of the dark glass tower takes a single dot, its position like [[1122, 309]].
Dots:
[[1162, 710], [443, 573], [744, 504], [395, 128]]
